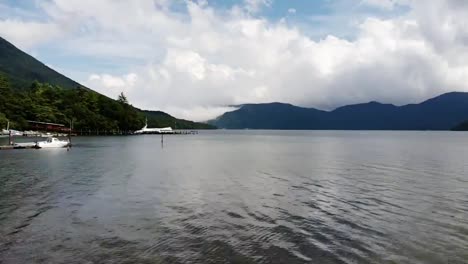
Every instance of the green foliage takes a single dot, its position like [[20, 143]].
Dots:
[[122, 98], [47, 103], [29, 90], [88, 110], [3, 120]]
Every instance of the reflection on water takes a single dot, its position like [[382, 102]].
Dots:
[[239, 197]]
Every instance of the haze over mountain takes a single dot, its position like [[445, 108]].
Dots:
[[440, 113]]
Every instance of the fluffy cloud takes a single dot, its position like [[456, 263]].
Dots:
[[111, 82], [197, 63], [253, 6], [28, 34]]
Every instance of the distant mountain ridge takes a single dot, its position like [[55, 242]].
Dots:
[[162, 119], [443, 112]]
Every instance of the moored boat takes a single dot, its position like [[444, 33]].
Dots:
[[53, 142], [10, 132], [25, 145], [146, 130]]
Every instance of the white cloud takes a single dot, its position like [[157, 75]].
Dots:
[[112, 85], [292, 10], [194, 65], [254, 6], [27, 34]]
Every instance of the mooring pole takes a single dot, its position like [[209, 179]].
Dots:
[[10, 140], [69, 133]]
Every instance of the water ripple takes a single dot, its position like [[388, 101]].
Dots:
[[239, 198]]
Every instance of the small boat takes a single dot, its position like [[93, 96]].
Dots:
[[46, 135], [146, 130], [30, 133], [14, 133], [53, 142], [6, 132], [25, 145]]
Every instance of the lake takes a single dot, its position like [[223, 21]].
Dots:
[[239, 197]]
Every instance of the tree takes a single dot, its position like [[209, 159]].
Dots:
[[3, 121], [5, 88], [4, 83], [89, 109], [122, 98]]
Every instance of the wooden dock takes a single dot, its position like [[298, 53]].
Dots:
[[9, 147], [174, 132]]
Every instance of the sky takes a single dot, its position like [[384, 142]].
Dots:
[[199, 59]]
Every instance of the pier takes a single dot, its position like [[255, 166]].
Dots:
[[33, 145], [172, 132], [10, 147]]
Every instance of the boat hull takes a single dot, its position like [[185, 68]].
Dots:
[[55, 145]]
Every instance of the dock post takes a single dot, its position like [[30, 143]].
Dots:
[[69, 134], [10, 140]]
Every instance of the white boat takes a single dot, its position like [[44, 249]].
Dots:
[[6, 132], [46, 135], [30, 133], [53, 142], [25, 145], [146, 130], [14, 133]]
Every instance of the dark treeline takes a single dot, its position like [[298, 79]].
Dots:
[[43, 102], [89, 110], [461, 127], [47, 103], [58, 99]]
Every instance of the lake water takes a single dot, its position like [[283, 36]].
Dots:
[[239, 197]]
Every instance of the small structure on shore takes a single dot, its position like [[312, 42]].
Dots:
[[49, 127], [51, 142]]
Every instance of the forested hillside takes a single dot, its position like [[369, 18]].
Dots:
[[23, 69], [89, 110], [439, 113], [47, 103], [29, 90]]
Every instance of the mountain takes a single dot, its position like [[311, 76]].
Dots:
[[440, 113], [270, 116], [29, 90], [23, 69], [162, 119]]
